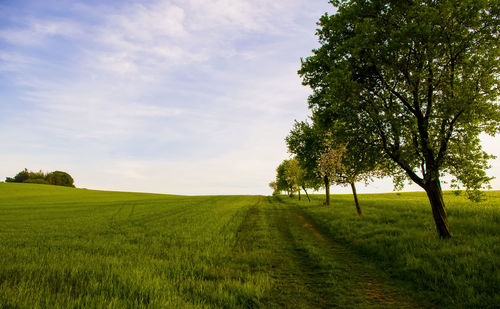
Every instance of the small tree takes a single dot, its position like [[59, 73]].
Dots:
[[273, 186], [330, 167], [296, 175], [360, 161], [59, 178], [37, 177], [307, 142], [22, 176], [283, 182]]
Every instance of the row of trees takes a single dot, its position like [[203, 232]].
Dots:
[[402, 89], [57, 178], [322, 159]]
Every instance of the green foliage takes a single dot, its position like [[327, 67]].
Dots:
[[416, 81], [291, 177], [330, 163], [294, 174], [306, 142], [37, 180], [59, 178], [273, 186], [54, 178], [22, 176], [283, 182]]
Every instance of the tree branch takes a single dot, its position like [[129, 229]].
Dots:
[[394, 92], [393, 153], [444, 142]]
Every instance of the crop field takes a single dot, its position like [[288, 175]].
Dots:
[[74, 248]]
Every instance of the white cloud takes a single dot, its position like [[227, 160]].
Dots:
[[93, 111], [191, 97], [242, 15]]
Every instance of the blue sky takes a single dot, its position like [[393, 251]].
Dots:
[[186, 97]]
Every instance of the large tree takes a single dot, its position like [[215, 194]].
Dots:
[[418, 81]]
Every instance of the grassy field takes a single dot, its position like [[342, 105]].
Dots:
[[64, 247], [397, 232]]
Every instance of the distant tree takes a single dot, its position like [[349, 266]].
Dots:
[[297, 176], [419, 80], [360, 161], [358, 165], [307, 142], [59, 178], [273, 186], [40, 181], [55, 178], [22, 176], [293, 175], [330, 166], [36, 177], [283, 182]]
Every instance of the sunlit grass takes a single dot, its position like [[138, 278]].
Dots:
[[397, 232], [66, 247]]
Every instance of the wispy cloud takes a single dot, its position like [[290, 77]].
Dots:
[[34, 32], [163, 96]]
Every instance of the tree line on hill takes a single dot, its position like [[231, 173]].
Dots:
[[57, 178], [401, 89]]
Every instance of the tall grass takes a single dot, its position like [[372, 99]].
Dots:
[[64, 247], [397, 232]]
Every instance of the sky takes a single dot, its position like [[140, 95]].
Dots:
[[175, 96]]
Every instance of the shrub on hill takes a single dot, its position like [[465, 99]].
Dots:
[[37, 180], [57, 178], [22, 176]]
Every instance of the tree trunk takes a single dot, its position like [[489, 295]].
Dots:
[[327, 188], [358, 208], [299, 194], [306, 193], [435, 195]]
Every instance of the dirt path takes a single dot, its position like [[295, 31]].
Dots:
[[309, 270]]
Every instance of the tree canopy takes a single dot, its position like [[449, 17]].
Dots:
[[57, 178], [415, 82]]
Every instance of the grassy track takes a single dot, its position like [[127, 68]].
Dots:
[[65, 247], [397, 234], [310, 271]]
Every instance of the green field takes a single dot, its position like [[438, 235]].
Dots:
[[75, 248]]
